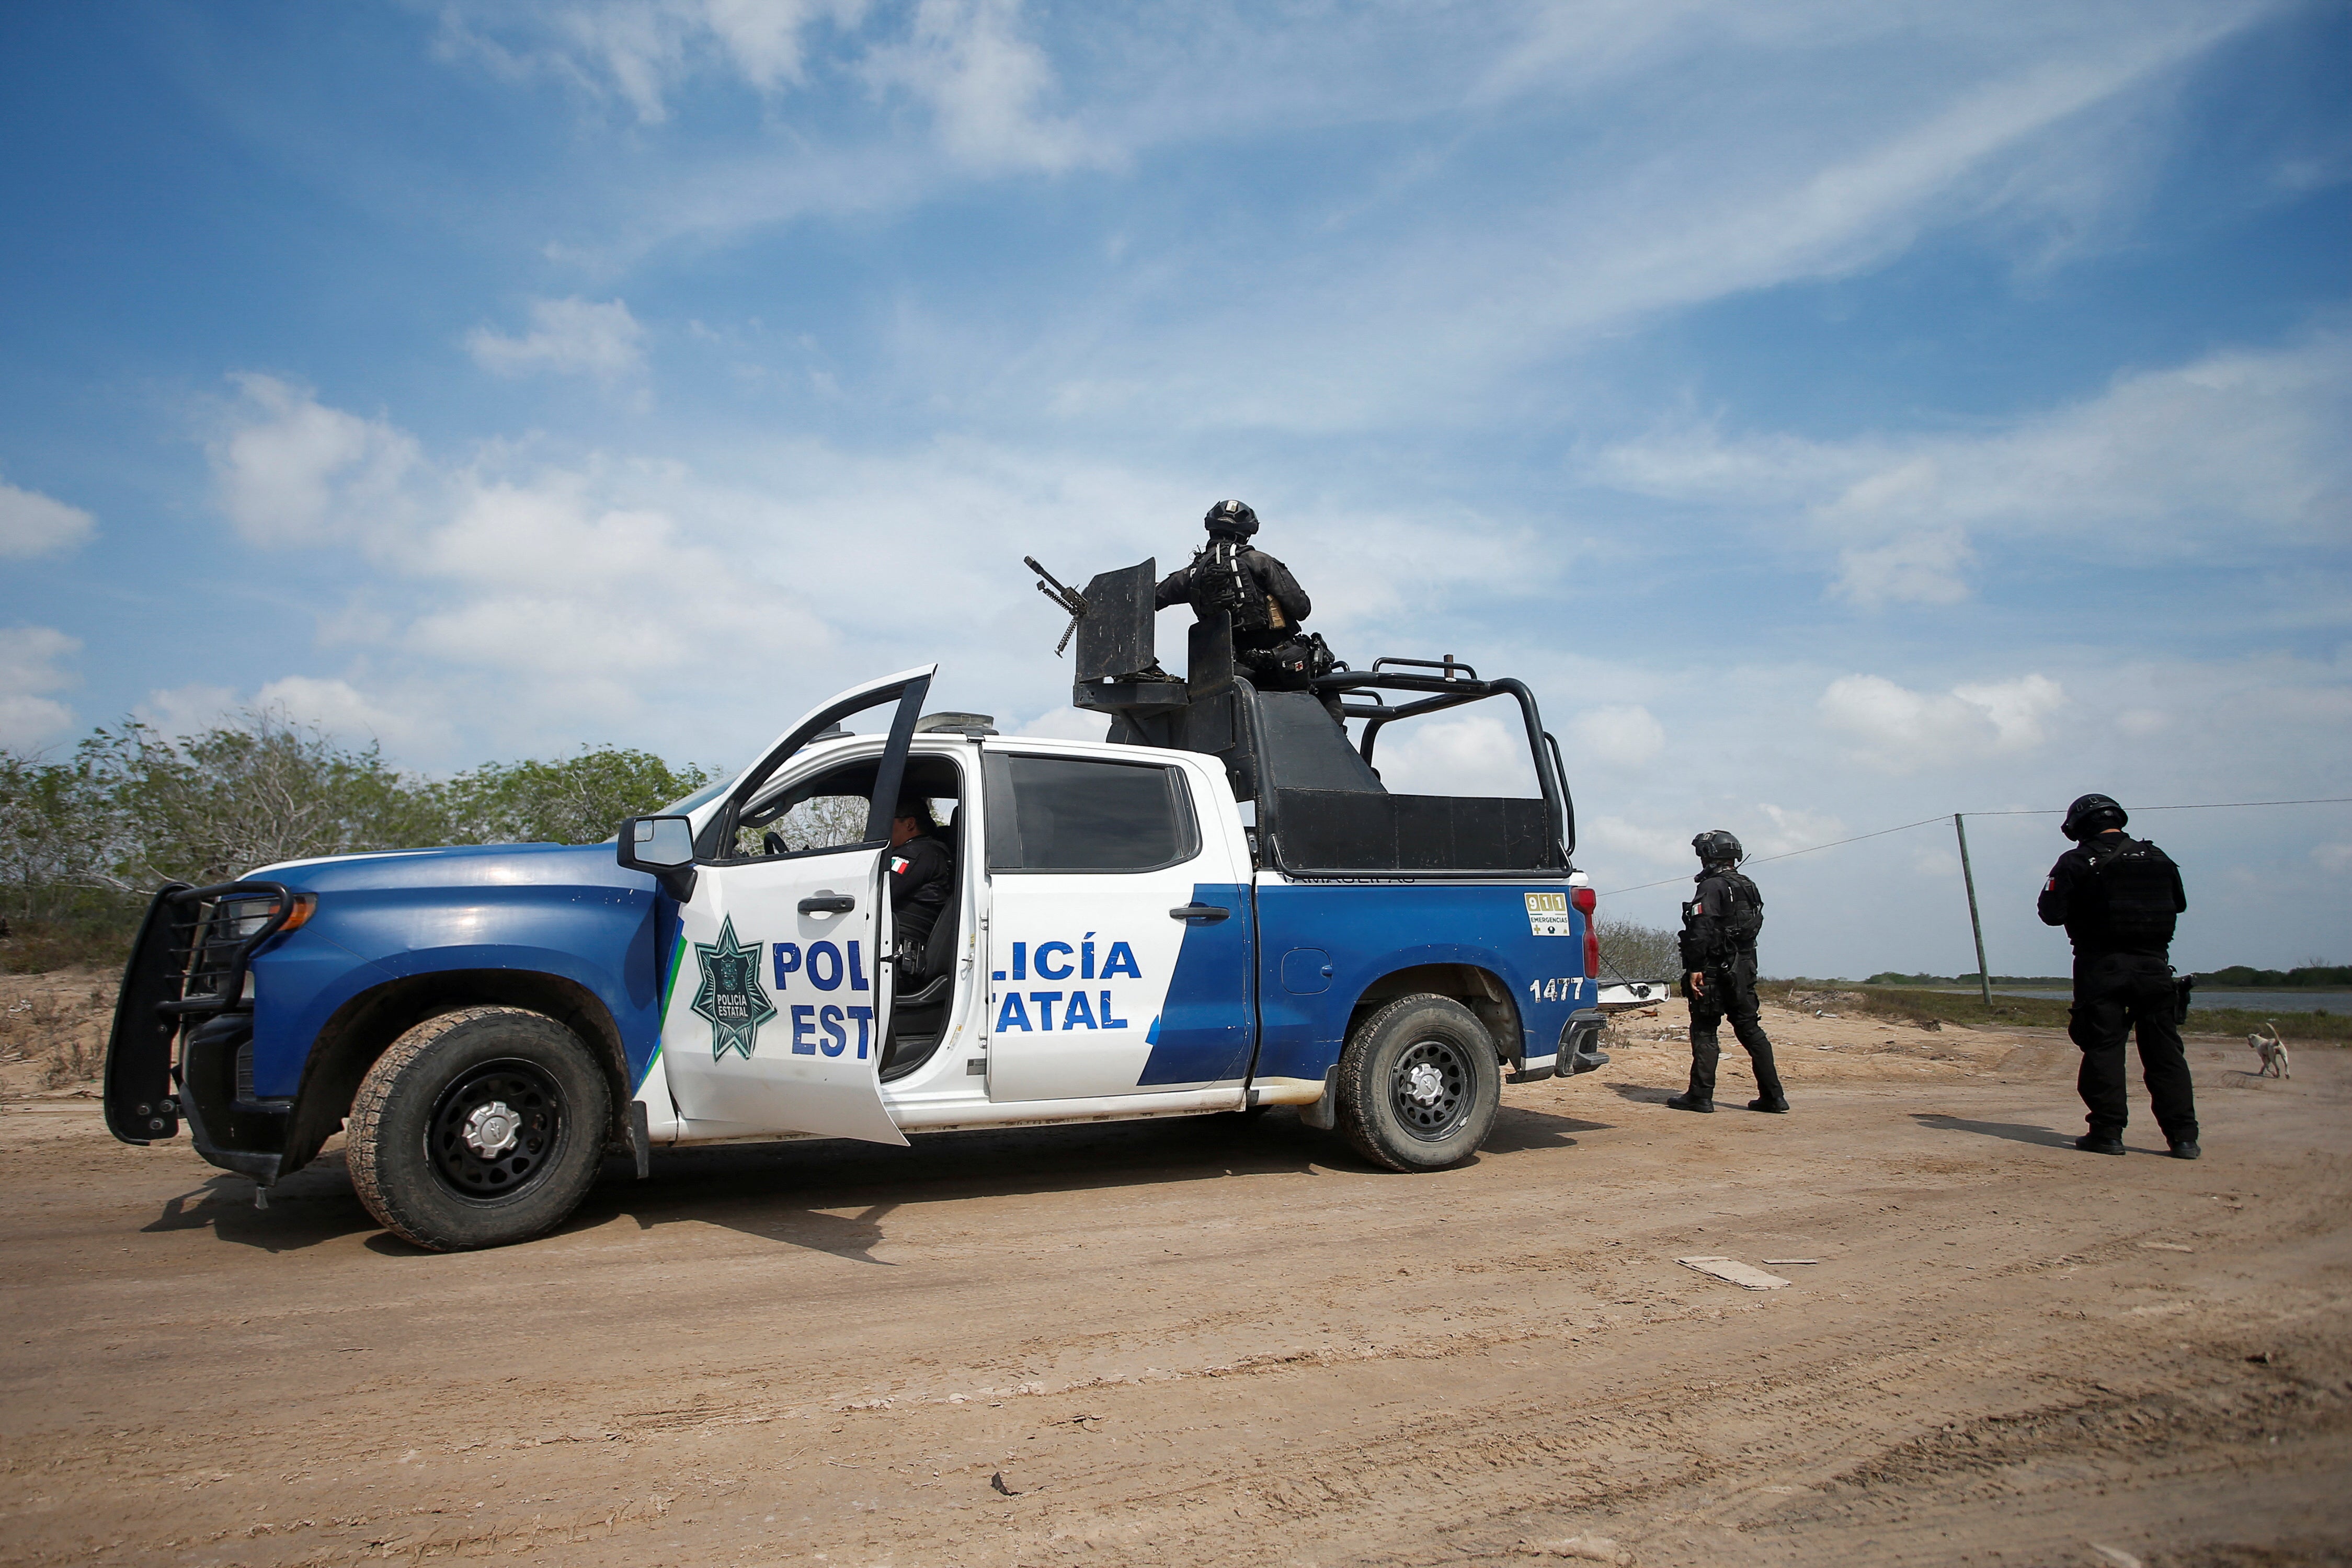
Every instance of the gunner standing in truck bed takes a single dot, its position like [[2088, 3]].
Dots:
[[1266, 603]]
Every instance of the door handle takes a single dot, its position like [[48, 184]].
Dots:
[[1206, 914], [824, 903]]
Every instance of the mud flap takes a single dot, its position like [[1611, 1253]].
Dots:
[[1579, 1043], [1324, 1115]]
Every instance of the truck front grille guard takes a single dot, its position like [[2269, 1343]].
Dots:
[[213, 932], [190, 957]]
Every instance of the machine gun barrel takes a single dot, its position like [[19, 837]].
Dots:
[[1072, 602]]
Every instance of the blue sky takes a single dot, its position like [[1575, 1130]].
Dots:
[[1841, 413]]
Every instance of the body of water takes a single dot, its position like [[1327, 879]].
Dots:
[[2200, 999]]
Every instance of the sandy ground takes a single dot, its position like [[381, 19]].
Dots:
[[1225, 1341]]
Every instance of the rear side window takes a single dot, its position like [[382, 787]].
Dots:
[[1065, 813]]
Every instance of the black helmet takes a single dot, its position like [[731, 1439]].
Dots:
[[2092, 815], [1231, 517], [1714, 847]]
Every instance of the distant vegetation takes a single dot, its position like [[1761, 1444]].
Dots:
[[1635, 952], [85, 840], [1889, 978], [1965, 1007], [2330, 977], [2324, 976]]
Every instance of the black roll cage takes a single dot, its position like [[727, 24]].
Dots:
[[1454, 685]]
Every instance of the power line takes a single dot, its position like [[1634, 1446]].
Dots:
[[1924, 821], [1786, 854], [2199, 806]]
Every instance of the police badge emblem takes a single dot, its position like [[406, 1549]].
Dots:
[[731, 997]]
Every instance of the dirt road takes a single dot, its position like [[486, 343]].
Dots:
[[1227, 1342]]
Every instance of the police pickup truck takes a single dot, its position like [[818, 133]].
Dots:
[[1219, 908]]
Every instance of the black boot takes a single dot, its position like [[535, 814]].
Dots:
[[1688, 1101], [2098, 1143], [1776, 1104]]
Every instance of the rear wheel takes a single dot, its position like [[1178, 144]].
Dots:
[[480, 1127], [1419, 1084]]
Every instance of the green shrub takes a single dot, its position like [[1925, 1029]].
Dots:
[[85, 842]]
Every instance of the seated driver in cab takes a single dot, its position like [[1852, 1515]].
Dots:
[[922, 880]]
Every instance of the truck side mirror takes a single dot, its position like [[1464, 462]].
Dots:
[[663, 847]]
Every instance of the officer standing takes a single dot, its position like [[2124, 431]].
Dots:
[[2118, 898], [1265, 601], [1718, 943]]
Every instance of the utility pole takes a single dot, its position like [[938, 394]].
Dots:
[[1984, 976]]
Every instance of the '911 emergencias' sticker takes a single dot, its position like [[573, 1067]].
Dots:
[[1548, 915]]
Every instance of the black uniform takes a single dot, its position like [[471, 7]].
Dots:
[[2118, 898], [922, 880], [1266, 604], [1718, 942]]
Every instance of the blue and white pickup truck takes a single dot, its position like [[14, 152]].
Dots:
[[1219, 908]]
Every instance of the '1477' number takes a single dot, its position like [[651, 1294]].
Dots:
[[1552, 990]]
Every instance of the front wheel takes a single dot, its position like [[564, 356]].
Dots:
[[1419, 1084], [478, 1128]]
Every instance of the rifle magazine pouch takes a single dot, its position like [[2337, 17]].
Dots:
[[2182, 985]]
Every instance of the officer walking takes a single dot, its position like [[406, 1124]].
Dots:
[[1718, 943], [2118, 898], [1265, 601]]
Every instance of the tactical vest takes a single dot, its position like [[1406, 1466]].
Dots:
[[1745, 918], [1737, 927], [2127, 897], [1221, 579]]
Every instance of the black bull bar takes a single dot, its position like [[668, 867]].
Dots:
[[183, 971]]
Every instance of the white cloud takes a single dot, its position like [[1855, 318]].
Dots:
[[1746, 146], [641, 51], [1603, 839], [1902, 731], [1066, 724], [968, 60], [2335, 859], [31, 524], [32, 660], [1621, 737], [1744, 179], [1478, 754], [1941, 865], [405, 728], [1787, 829], [1922, 568], [191, 709], [2015, 708], [340, 709], [2241, 445], [568, 337], [287, 469], [546, 583]]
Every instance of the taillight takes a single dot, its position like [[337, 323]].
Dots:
[[1586, 901]]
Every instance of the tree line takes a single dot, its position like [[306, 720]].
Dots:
[[86, 838], [2334, 977]]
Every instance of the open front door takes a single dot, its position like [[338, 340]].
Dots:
[[779, 987]]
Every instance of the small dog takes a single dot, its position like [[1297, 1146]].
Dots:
[[2270, 1047]]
